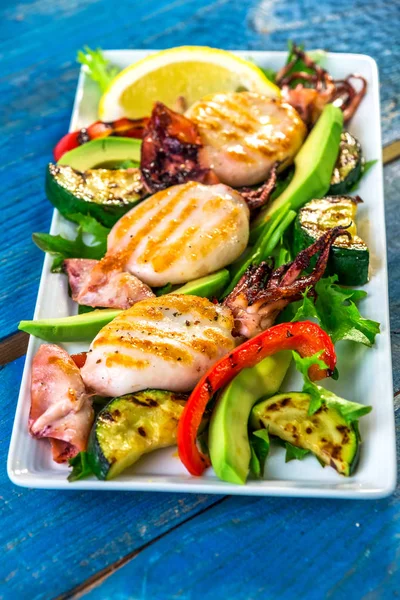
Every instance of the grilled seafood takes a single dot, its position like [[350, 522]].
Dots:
[[171, 341], [172, 152], [244, 134], [314, 89], [176, 235], [262, 293], [114, 289], [61, 409], [165, 343]]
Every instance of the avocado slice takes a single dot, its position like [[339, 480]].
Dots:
[[106, 153], [314, 164], [206, 287], [78, 328], [228, 439]]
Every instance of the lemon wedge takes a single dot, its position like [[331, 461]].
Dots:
[[190, 72]]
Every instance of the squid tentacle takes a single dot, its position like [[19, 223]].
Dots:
[[263, 292], [318, 88], [256, 199]]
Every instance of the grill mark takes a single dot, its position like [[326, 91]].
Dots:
[[164, 260], [184, 304], [242, 157], [204, 347], [147, 329], [168, 352], [223, 230], [124, 360], [230, 117], [154, 244], [119, 258], [218, 338]]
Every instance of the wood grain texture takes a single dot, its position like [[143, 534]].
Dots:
[[39, 42], [13, 347], [280, 549], [244, 548]]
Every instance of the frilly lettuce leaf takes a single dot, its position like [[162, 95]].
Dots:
[[98, 67], [336, 310], [62, 248], [350, 411]]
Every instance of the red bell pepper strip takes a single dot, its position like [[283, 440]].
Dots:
[[305, 337], [79, 359], [122, 127], [67, 143]]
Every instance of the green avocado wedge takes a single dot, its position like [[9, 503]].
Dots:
[[314, 164], [87, 325], [105, 153], [78, 328], [228, 439], [206, 287]]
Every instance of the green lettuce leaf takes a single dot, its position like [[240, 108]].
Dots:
[[80, 467], [259, 446], [90, 225], [98, 67], [309, 387], [61, 248], [294, 452], [337, 313], [350, 411]]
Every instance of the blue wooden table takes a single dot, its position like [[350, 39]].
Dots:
[[169, 546]]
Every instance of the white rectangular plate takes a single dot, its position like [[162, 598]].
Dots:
[[365, 374]]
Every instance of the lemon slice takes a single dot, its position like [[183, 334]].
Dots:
[[189, 71]]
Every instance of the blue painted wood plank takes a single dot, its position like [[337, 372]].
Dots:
[[280, 549], [51, 541], [37, 86], [228, 553]]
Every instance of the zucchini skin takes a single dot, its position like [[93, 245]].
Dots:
[[130, 426], [349, 165], [350, 264], [67, 203]]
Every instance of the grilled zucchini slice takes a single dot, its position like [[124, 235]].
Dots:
[[349, 165], [133, 425], [349, 258], [105, 194], [325, 433]]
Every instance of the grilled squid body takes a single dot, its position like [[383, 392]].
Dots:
[[165, 343], [245, 133], [179, 234]]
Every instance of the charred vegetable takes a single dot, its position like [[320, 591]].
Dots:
[[349, 257], [349, 165], [131, 426], [102, 193], [326, 433]]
